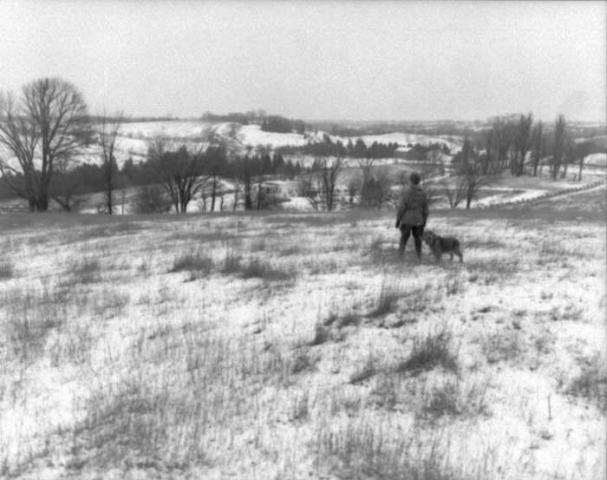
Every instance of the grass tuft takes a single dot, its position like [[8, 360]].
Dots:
[[502, 346], [192, 262], [387, 300], [258, 269], [365, 371], [454, 397], [86, 271], [591, 382], [6, 270], [435, 349]]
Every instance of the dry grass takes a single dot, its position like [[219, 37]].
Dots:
[[429, 351], [454, 397], [591, 382], [390, 293], [192, 262], [113, 365], [6, 270], [256, 268], [502, 346], [85, 271]]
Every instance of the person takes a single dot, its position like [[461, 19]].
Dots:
[[412, 215]]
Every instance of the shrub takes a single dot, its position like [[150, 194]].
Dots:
[[86, 271], [377, 449], [321, 334], [591, 382], [192, 262], [430, 351], [454, 397], [389, 294], [257, 269], [501, 346], [301, 361], [151, 199], [231, 261], [6, 270], [366, 370]]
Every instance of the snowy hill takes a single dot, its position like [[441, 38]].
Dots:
[[134, 138]]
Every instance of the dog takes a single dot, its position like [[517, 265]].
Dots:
[[440, 245]]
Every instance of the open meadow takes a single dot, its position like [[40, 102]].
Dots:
[[291, 346]]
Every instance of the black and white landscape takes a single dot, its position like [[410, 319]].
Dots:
[[199, 270]]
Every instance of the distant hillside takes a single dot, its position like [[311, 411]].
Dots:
[[135, 137]]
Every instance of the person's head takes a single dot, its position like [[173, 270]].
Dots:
[[414, 178]]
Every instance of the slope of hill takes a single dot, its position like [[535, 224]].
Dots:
[[301, 346], [134, 137]]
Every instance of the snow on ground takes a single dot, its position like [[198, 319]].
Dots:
[[252, 135], [508, 196], [404, 139], [299, 204], [171, 129], [596, 160], [280, 345]]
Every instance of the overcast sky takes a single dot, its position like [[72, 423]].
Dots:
[[315, 60]]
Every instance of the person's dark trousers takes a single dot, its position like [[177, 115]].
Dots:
[[417, 231]]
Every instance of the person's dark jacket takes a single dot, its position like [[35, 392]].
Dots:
[[413, 209]]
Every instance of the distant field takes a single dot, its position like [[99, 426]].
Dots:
[[300, 346]]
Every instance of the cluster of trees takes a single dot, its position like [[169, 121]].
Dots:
[[423, 152], [516, 144], [358, 149], [358, 129], [522, 146], [237, 117], [278, 124], [183, 175], [47, 126], [372, 188], [268, 123], [42, 130]]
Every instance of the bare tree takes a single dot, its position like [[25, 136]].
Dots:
[[214, 166], [308, 188], [354, 186], [490, 147], [502, 139], [454, 190], [65, 187], [558, 145], [378, 189], [366, 167], [538, 146], [244, 169], [107, 143], [522, 143], [469, 174], [178, 172], [581, 151], [48, 123], [568, 155], [328, 175]]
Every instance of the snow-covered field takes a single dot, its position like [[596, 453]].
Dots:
[[294, 346]]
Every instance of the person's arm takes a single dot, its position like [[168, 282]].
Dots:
[[425, 209], [401, 211]]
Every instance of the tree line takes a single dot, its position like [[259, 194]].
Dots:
[[45, 128], [268, 123], [517, 144], [329, 148]]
